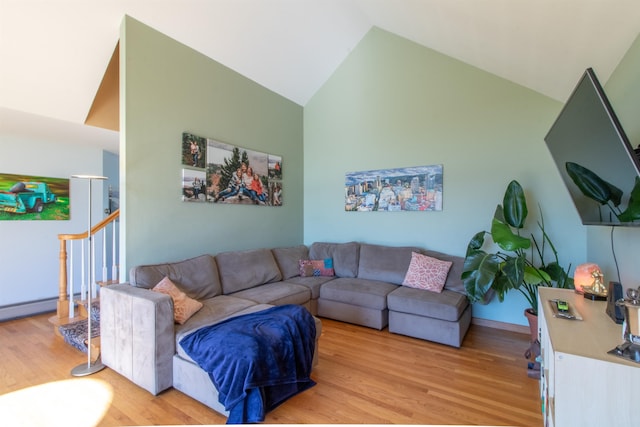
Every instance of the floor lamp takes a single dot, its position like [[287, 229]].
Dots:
[[89, 368]]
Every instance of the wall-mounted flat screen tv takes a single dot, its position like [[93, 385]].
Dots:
[[588, 133]]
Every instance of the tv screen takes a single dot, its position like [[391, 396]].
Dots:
[[588, 133]]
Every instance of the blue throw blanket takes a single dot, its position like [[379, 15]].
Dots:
[[256, 361]]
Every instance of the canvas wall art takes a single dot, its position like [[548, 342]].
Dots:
[[222, 173], [416, 188], [194, 185], [27, 197]]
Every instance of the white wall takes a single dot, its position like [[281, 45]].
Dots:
[[29, 250]]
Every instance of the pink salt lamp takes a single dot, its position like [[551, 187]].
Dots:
[[583, 276]]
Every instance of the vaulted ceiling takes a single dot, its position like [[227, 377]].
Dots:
[[53, 54]]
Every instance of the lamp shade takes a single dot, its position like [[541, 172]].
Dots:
[[583, 276]]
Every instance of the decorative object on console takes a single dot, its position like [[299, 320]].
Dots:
[[630, 348], [583, 276], [89, 368], [613, 310], [588, 281], [597, 291]]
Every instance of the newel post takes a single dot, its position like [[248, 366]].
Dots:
[[63, 306]]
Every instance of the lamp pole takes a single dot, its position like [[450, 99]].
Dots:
[[89, 368]]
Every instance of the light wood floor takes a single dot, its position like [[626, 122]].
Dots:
[[364, 376]]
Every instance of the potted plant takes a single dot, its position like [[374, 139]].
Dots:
[[519, 262]]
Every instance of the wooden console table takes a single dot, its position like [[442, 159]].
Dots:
[[580, 384]]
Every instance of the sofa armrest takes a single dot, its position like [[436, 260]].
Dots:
[[137, 336]]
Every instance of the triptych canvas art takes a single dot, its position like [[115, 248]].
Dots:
[[217, 172]]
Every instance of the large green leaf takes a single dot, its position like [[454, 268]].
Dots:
[[513, 270], [632, 213], [515, 205], [476, 242], [503, 236], [555, 272], [535, 276], [558, 275], [501, 286], [616, 194], [479, 272], [592, 185]]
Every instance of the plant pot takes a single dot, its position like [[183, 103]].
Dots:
[[533, 323]]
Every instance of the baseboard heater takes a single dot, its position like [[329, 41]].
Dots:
[[15, 311]]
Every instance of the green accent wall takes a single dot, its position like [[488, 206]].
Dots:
[[166, 89], [393, 103]]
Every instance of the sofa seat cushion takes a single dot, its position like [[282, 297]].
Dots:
[[386, 263], [360, 292], [241, 270], [213, 310], [217, 318], [447, 305], [313, 283], [197, 277], [278, 293]]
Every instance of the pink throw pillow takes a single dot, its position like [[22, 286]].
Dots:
[[426, 273], [183, 306]]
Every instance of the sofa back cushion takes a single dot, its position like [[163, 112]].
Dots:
[[197, 277], [344, 255], [288, 258], [241, 270], [385, 263]]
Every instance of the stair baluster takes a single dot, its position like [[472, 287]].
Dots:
[[65, 311], [71, 281]]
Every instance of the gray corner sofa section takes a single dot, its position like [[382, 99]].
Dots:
[[368, 292], [140, 340]]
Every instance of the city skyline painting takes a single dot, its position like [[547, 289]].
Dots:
[[417, 188]]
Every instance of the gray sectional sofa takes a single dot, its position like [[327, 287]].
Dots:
[[140, 340]]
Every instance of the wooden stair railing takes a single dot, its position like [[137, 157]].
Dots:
[[62, 309]]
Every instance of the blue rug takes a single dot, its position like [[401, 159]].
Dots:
[[75, 334]]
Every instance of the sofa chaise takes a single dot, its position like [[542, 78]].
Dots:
[[362, 285]]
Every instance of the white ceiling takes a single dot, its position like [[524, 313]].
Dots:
[[53, 54]]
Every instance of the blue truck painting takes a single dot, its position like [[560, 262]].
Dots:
[[26, 196]]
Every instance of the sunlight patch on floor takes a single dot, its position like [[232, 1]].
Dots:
[[79, 402]]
